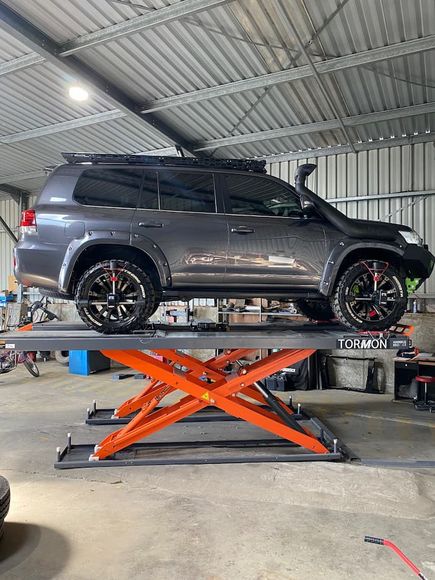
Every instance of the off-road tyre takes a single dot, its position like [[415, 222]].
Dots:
[[341, 306], [5, 500], [319, 311], [147, 289]]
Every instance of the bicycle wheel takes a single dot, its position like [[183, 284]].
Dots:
[[31, 366]]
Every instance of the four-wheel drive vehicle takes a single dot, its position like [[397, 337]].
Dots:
[[121, 233]]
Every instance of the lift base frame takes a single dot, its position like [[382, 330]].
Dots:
[[205, 400], [77, 456]]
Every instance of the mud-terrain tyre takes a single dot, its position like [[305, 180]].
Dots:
[[141, 284], [320, 311], [342, 304], [5, 500]]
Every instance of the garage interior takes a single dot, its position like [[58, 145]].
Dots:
[[345, 84]]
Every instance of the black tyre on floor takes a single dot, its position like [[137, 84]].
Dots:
[[370, 295], [116, 297], [5, 500], [319, 311]]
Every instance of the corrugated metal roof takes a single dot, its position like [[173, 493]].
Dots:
[[65, 21], [38, 96], [11, 48], [238, 40]]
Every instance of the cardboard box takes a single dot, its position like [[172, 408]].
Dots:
[[12, 284]]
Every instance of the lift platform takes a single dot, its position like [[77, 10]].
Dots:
[[227, 386]]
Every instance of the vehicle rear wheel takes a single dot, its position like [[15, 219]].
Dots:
[[116, 296], [316, 310], [370, 295]]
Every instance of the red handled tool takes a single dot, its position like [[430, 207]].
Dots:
[[395, 549]]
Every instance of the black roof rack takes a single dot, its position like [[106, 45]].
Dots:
[[257, 166]]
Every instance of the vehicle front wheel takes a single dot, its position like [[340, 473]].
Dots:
[[116, 297], [370, 295], [316, 310]]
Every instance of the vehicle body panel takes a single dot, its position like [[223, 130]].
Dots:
[[275, 251], [194, 244]]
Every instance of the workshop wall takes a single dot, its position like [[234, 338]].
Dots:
[[10, 213]]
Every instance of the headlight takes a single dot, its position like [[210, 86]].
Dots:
[[411, 237]]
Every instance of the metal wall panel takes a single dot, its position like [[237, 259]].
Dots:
[[9, 212], [410, 168]]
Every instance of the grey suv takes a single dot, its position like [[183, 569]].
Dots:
[[121, 233]]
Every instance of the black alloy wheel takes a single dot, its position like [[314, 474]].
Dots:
[[116, 296], [370, 295]]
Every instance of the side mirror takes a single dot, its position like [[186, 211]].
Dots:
[[308, 207]]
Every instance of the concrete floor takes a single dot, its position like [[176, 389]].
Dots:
[[261, 522]]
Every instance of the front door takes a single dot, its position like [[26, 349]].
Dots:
[[186, 222], [271, 243]]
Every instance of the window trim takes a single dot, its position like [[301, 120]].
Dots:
[[227, 197], [140, 196]]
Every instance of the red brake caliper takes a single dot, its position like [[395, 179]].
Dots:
[[376, 277]]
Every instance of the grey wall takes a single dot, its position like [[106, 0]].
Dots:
[[9, 212], [408, 169]]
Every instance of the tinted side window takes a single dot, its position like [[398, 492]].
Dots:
[[252, 195], [184, 191], [109, 187]]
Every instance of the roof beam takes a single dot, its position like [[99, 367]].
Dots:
[[376, 196], [18, 194], [139, 23], [14, 192], [318, 127], [322, 86], [28, 34], [341, 149], [323, 67], [62, 126], [20, 63]]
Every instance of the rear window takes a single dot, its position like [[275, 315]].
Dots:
[[112, 187]]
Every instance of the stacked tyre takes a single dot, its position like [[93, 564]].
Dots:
[[5, 500]]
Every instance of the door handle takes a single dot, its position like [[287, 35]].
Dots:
[[242, 230], [150, 225]]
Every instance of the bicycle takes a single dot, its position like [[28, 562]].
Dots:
[[10, 359]]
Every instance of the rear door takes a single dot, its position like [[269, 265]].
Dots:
[[187, 223], [270, 242]]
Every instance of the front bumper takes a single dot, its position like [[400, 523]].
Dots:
[[418, 261]]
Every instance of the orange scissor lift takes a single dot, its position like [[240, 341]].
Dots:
[[225, 387]]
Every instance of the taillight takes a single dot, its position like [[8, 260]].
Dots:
[[28, 221]]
